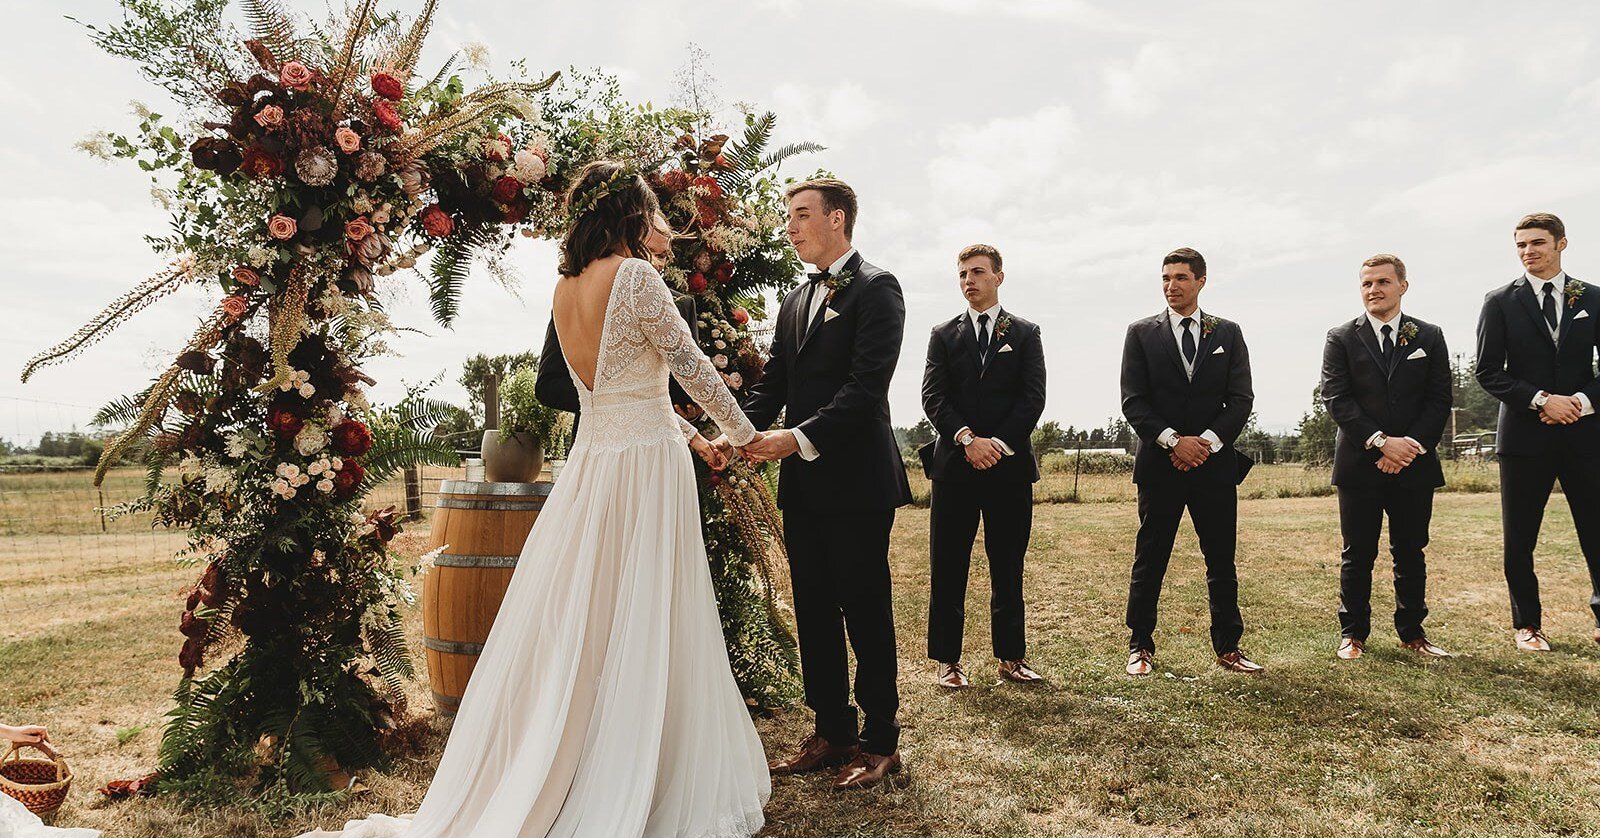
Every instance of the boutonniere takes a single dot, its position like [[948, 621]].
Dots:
[[1002, 325], [1208, 324], [1574, 291], [836, 283], [1408, 332]]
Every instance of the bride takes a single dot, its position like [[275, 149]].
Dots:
[[603, 703]]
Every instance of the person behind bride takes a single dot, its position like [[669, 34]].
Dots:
[[603, 703]]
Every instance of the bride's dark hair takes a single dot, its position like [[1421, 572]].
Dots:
[[610, 206]]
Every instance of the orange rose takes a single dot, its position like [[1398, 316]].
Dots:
[[357, 229], [282, 227], [348, 141], [295, 75], [246, 277], [235, 306]]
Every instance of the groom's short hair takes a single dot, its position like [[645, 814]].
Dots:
[[972, 250], [836, 195], [1543, 221], [1389, 259], [1187, 256]]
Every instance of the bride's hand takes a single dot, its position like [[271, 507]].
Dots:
[[712, 456], [760, 435]]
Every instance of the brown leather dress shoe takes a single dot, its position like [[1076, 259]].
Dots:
[[1141, 662], [951, 676], [1020, 672], [1351, 648], [815, 754], [867, 770], [1235, 661], [1422, 647], [1532, 640]]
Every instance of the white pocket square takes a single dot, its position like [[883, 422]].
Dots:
[[1420, 353], [829, 314], [1003, 348], [1217, 351], [1580, 315]]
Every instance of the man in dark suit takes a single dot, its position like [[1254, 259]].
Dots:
[[1537, 342], [1186, 391], [834, 350], [1386, 382], [983, 390]]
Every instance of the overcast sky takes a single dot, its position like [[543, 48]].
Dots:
[[1286, 141]]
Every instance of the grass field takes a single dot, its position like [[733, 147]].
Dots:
[[1490, 743]]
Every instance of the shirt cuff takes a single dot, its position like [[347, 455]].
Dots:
[[1167, 438], [956, 437], [1004, 448], [808, 451], [1421, 449], [1211, 436], [1533, 404], [1372, 441], [1588, 406]]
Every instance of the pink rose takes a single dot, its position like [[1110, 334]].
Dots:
[[348, 141], [357, 229], [246, 276], [235, 306], [270, 117], [295, 75], [282, 227]]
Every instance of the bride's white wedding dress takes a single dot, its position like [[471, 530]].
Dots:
[[17, 822], [603, 704]]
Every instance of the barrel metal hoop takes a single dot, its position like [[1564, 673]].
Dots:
[[446, 704], [475, 487], [452, 647], [449, 560], [493, 505]]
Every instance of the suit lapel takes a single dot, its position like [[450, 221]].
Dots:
[[1530, 303], [1369, 339], [853, 267], [1567, 313], [969, 339], [1204, 347], [1400, 349], [1163, 324]]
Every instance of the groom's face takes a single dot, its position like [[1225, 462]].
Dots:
[[1540, 251], [1181, 287], [813, 230]]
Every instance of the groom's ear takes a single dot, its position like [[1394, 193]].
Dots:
[[999, 278]]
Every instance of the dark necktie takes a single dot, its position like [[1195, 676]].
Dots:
[[1189, 349], [983, 338], [1388, 344], [1550, 305]]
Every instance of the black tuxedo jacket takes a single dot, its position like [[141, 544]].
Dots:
[[1156, 395], [1517, 359], [830, 378], [554, 386], [1001, 396], [1408, 396]]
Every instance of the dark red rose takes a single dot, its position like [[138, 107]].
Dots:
[[284, 421], [724, 272], [348, 479], [196, 361], [261, 163], [517, 211], [507, 189], [709, 183], [436, 222], [387, 115], [708, 214], [715, 479], [388, 86], [697, 283], [215, 154], [675, 180], [351, 438], [193, 654]]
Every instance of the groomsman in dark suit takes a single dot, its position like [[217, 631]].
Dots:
[[1386, 382], [1537, 343], [834, 350], [983, 390], [1186, 391]]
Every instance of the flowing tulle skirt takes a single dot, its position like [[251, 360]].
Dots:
[[603, 704]]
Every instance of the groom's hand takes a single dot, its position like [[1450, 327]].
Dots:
[[1191, 451], [982, 453], [773, 446]]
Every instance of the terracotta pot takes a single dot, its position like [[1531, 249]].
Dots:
[[511, 458]]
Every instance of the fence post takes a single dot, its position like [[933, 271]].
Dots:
[[491, 402], [1077, 468], [413, 494]]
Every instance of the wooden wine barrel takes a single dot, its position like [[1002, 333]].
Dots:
[[484, 526]]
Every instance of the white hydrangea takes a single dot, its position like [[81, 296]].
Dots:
[[311, 439], [259, 256], [219, 480]]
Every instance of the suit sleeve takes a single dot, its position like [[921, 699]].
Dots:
[[935, 383], [1241, 396], [767, 397], [1338, 392], [553, 386], [1428, 428], [1024, 415], [1491, 367], [880, 328], [1593, 390], [1136, 405]]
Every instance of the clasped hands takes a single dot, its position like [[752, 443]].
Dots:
[[1561, 410], [765, 446], [1189, 452], [1398, 452]]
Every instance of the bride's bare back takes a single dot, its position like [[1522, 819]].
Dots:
[[578, 307]]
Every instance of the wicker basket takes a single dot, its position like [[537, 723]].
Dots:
[[41, 784]]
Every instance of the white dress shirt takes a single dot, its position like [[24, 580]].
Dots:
[[818, 299], [1169, 437], [1557, 285], [1394, 340], [972, 320]]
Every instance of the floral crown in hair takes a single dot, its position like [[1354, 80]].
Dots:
[[586, 200]]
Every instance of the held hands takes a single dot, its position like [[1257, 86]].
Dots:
[[1561, 410], [1398, 452], [1190, 452], [767, 447], [982, 453], [711, 452]]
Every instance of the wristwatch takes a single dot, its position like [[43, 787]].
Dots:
[[1540, 399], [965, 438], [1380, 440]]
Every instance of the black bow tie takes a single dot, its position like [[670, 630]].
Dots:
[[819, 277]]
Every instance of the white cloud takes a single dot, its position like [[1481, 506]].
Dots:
[[1136, 87], [827, 115], [1003, 159], [1076, 12], [1494, 190], [1427, 64]]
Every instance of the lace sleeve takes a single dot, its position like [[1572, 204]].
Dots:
[[661, 325]]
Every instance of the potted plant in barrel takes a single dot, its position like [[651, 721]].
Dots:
[[529, 431]]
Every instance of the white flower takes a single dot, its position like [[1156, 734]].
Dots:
[[720, 344], [716, 333], [357, 400], [721, 361], [311, 439], [96, 145], [287, 470], [189, 465], [338, 463], [477, 54], [317, 467], [735, 380], [335, 415], [528, 167], [235, 445], [307, 391], [324, 486], [259, 256]]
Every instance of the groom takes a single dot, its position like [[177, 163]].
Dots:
[[832, 356]]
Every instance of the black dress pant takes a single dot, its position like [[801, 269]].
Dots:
[[1361, 511], [1006, 508], [839, 563], [1214, 509], [1525, 484]]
